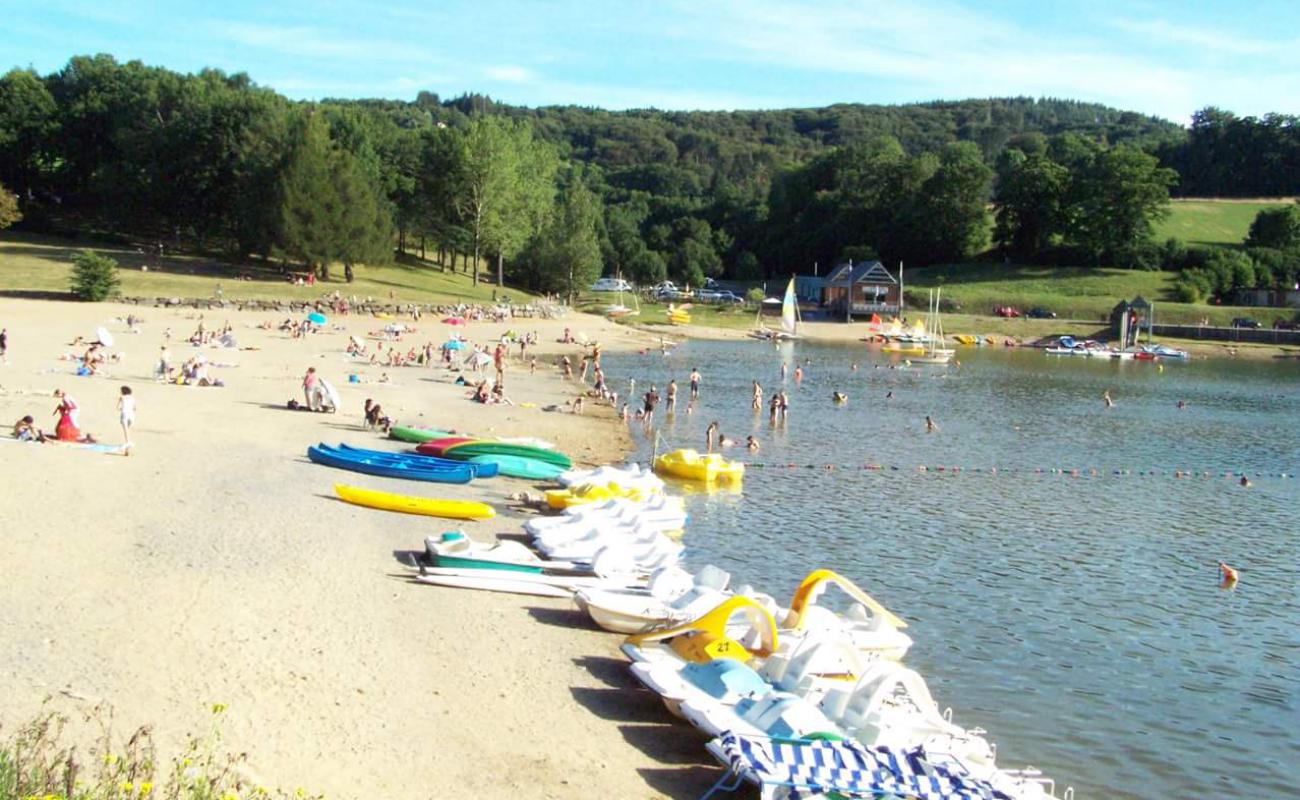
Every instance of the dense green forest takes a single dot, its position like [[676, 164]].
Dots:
[[552, 196]]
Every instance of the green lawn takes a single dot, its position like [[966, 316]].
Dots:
[[1210, 221], [42, 265]]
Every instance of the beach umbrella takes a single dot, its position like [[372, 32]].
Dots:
[[454, 321], [317, 318], [453, 345], [105, 338], [480, 360]]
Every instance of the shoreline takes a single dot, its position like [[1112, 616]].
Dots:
[[840, 333], [214, 565]]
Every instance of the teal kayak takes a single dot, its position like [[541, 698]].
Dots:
[[468, 450], [417, 435], [519, 466]]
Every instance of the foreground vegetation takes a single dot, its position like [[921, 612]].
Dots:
[[38, 762]]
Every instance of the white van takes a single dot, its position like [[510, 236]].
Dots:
[[611, 285]]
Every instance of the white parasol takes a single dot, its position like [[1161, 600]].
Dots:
[[105, 338]]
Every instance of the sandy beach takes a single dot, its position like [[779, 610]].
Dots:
[[214, 565]]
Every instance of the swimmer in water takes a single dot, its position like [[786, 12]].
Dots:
[[839, 398], [751, 444], [1182, 404], [1245, 482], [1106, 396], [1228, 574], [930, 427], [708, 436], [723, 441]]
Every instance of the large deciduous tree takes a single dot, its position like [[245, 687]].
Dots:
[[1031, 201], [506, 185], [1121, 192], [565, 255], [1278, 228]]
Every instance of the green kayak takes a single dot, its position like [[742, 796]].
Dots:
[[468, 450], [520, 467], [417, 435]]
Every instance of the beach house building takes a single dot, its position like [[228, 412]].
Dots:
[[860, 290]]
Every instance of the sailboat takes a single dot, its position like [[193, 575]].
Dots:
[[618, 310], [935, 352], [790, 319]]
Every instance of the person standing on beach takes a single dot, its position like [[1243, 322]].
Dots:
[[757, 401], [671, 404], [126, 416], [4, 345], [309, 388], [695, 384]]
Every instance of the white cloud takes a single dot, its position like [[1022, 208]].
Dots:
[[1219, 41], [308, 42], [943, 49], [510, 74]]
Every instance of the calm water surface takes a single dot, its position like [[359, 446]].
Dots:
[[1078, 619]]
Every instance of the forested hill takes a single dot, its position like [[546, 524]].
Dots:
[[556, 195], [680, 152]]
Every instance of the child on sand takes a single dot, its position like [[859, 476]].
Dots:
[[25, 430], [126, 416]]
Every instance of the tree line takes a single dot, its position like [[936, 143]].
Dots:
[[550, 197]]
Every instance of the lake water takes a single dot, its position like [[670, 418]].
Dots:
[[1078, 619]]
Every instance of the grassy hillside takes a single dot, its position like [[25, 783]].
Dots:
[[1071, 292], [37, 265], [1221, 222]]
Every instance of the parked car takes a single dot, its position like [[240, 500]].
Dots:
[[718, 296], [1040, 313], [611, 285], [1286, 325], [1006, 311], [1245, 322]]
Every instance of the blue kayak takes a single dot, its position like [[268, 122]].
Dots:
[[517, 466], [387, 468], [414, 459]]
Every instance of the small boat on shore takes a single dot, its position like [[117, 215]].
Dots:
[[339, 459], [405, 504]]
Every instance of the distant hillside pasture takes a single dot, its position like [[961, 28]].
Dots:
[[1212, 222], [36, 265], [1070, 292]]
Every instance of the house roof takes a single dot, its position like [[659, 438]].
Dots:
[[869, 272]]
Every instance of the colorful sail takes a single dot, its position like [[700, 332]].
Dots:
[[789, 324]]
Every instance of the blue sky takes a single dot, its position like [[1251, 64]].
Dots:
[[1163, 58]]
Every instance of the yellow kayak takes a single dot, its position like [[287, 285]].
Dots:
[[431, 507], [693, 466]]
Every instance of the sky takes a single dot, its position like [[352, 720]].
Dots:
[[1162, 58]]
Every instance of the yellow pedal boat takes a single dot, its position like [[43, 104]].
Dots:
[[693, 466]]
